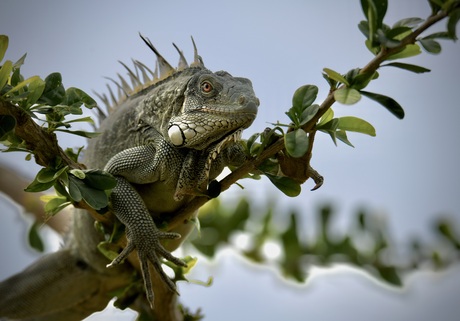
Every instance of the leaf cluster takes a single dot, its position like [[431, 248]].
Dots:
[[37, 97], [48, 98]]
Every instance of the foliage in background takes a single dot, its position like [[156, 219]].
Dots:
[[366, 244]]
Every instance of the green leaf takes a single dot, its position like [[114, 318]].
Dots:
[[435, 6], [77, 97], [5, 72], [22, 84], [56, 204], [355, 124], [390, 274], [291, 263], [454, 17], [296, 142], [46, 175], [7, 124], [308, 114], [409, 67], [20, 62], [375, 49], [363, 26], [387, 41], [347, 96], [304, 97], [361, 80], [375, 11], [78, 173], [387, 102], [398, 33], [342, 136], [35, 240], [336, 76], [327, 116], [409, 51], [99, 179], [430, 45], [95, 198], [79, 120], [79, 133], [330, 128], [379, 8], [408, 22], [438, 35], [3, 46], [36, 89], [36, 186], [285, 184], [60, 172], [54, 91], [74, 190]]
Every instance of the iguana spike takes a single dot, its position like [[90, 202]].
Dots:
[[120, 87], [155, 72], [132, 75], [103, 98], [144, 68], [100, 114], [198, 61], [124, 84], [139, 66], [112, 96], [182, 61], [165, 68]]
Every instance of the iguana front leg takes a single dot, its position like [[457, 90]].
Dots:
[[130, 209]]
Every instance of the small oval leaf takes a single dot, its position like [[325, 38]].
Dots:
[[347, 96], [3, 46], [430, 45], [35, 241], [304, 97], [296, 142], [387, 102], [336, 76], [355, 124], [286, 185]]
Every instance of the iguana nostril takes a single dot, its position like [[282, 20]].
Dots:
[[242, 100]]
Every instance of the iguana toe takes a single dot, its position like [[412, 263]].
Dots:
[[150, 249]]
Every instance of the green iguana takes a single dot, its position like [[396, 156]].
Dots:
[[164, 144]]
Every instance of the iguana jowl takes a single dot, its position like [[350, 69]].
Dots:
[[164, 144]]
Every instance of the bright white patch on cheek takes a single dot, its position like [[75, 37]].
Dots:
[[175, 135]]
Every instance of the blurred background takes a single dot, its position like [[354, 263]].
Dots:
[[407, 176]]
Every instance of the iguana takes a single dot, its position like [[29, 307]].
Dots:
[[164, 144]]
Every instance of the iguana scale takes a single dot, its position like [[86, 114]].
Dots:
[[164, 144]]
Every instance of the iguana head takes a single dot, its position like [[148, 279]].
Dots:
[[190, 106], [215, 105]]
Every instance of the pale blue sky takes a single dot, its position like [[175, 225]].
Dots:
[[408, 173]]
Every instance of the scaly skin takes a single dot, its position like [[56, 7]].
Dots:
[[164, 145]]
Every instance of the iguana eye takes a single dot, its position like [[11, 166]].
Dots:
[[206, 87]]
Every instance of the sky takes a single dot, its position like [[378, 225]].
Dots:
[[407, 174]]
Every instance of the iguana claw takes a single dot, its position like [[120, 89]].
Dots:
[[150, 249]]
